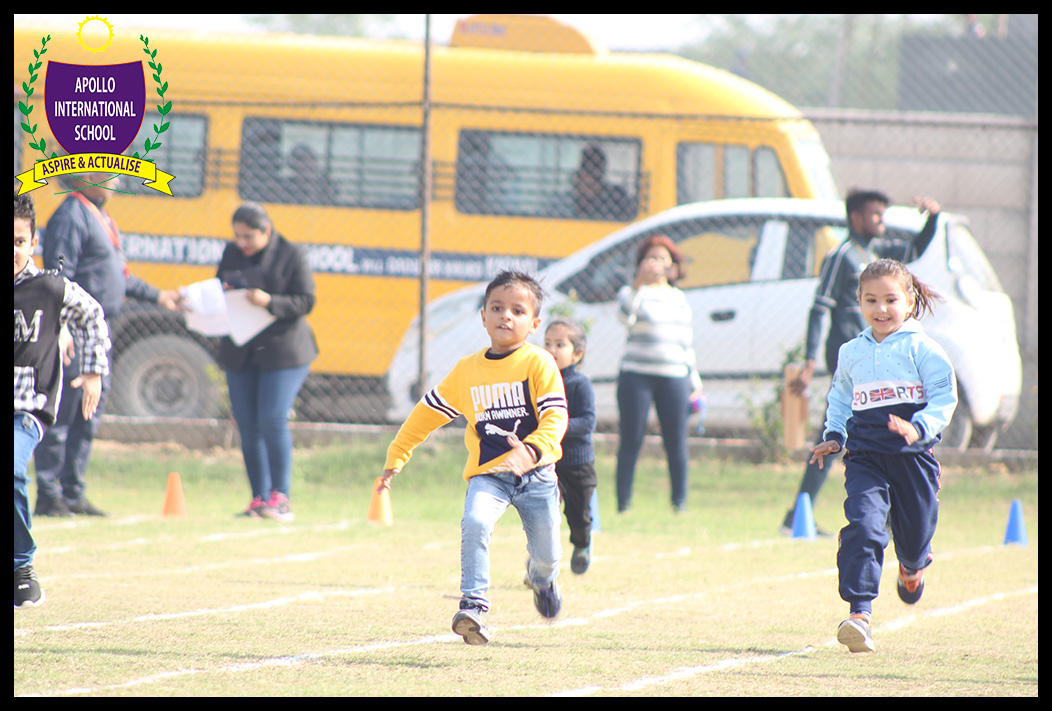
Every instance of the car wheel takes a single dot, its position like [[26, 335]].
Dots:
[[985, 437], [958, 434]]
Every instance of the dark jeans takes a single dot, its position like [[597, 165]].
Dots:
[[62, 457], [261, 400], [576, 484], [671, 397]]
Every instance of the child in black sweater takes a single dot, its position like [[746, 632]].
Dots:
[[566, 341]]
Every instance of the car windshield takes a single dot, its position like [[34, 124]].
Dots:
[[966, 256]]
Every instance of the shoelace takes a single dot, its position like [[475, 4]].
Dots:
[[26, 574]]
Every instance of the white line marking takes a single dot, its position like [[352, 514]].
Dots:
[[291, 558], [733, 662], [268, 530], [310, 596]]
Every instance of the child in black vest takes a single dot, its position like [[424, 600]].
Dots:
[[44, 301]]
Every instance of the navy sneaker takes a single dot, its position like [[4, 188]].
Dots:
[[470, 623], [581, 559], [910, 585], [547, 600], [28, 592]]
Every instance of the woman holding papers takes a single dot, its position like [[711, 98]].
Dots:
[[266, 372]]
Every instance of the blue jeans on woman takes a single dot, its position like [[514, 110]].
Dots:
[[535, 495], [671, 397], [261, 400], [27, 436]]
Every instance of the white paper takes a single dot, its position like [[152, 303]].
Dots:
[[214, 312], [246, 320], [207, 310], [205, 297]]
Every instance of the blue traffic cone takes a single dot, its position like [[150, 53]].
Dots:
[[1016, 530], [594, 506], [803, 518]]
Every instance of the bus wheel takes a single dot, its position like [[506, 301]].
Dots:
[[165, 376]]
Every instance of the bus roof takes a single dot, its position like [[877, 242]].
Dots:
[[299, 69]]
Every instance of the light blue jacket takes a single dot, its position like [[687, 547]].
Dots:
[[908, 374]]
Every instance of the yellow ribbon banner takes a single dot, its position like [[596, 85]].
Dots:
[[95, 163]]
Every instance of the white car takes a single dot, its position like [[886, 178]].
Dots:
[[751, 279]]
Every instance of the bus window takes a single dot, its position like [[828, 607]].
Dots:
[[182, 153], [767, 172], [310, 163], [695, 172], [741, 173], [537, 175], [815, 163], [736, 172]]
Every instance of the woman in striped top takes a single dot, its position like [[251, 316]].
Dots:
[[658, 365]]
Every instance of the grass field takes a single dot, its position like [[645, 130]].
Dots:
[[709, 602]]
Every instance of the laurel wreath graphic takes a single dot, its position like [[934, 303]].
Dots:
[[163, 108], [26, 108]]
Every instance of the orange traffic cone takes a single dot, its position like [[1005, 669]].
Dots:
[[174, 505], [380, 505]]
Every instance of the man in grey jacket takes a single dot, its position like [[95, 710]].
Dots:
[[82, 240]]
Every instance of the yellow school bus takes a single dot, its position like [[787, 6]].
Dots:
[[541, 143]]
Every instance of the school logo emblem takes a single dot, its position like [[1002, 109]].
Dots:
[[95, 109], [94, 113]]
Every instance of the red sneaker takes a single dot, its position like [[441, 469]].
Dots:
[[278, 507], [256, 508]]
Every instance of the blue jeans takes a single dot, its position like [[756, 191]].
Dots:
[[27, 436], [261, 400], [671, 397], [536, 497]]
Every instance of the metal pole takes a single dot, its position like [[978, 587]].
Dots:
[[425, 209]]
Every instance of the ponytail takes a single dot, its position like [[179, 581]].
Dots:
[[924, 297]]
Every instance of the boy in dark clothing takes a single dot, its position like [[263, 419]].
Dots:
[[43, 302], [566, 341]]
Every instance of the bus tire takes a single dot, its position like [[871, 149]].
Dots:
[[165, 376]]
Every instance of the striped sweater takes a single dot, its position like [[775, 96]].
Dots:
[[660, 332], [521, 394]]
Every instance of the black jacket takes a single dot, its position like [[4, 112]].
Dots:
[[281, 269]]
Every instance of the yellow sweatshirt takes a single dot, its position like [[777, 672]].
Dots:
[[520, 394]]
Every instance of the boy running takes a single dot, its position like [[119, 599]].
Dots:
[[44, 300], [512, 396]]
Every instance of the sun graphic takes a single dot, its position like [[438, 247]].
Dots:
[[95, 33]]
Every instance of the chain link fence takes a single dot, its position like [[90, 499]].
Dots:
[[543, 146]]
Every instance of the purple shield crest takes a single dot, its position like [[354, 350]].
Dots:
[[95, 109]]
